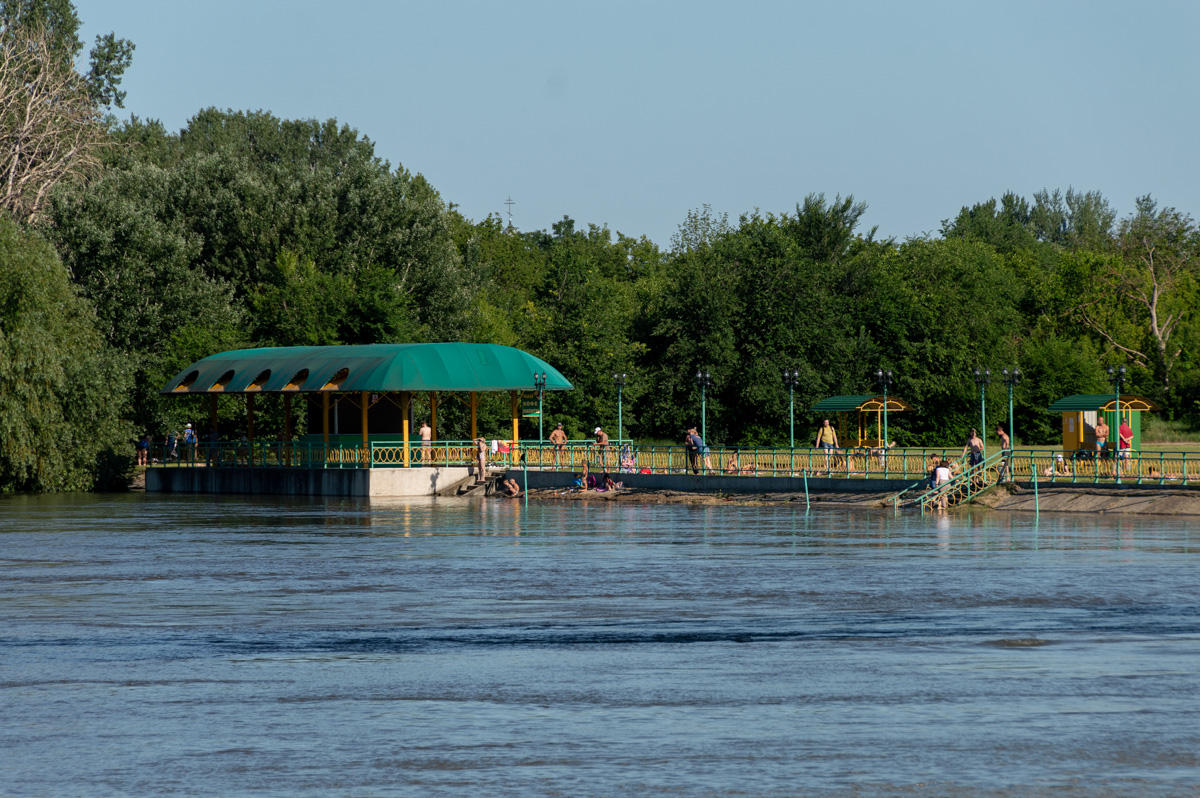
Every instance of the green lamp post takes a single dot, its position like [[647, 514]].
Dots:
[[791, 379], [983, 378], [619, 379], [704, 381], [1011, 378], [1117, 378], [539, 383]]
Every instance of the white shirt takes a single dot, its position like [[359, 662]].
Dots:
[[942, 474]]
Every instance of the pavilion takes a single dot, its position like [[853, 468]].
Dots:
[[866, 406], [370, 389]]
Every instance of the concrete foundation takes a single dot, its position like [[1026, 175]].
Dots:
[[307, 481], [719, 483]]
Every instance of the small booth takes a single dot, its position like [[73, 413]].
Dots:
[[857, 414], [1081, 411]]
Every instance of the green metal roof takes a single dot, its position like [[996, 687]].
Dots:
[[372, 367], [842, 404], [1100, 401]]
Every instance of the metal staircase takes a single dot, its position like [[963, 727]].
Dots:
[[962, 488]]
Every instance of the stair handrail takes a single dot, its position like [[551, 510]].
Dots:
[[966, 477]]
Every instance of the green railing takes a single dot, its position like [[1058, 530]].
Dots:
[[964, 485], [1139, 468]]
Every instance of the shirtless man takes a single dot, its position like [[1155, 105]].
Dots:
[[426, 434], [601, 446], [1101, 432], [974, 448], [559, 439]]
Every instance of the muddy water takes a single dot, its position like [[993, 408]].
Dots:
[[189, 646]]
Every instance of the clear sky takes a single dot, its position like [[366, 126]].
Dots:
[[630, 114]]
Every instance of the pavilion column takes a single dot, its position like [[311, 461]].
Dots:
[[213, 409], [433, 413], [250, 417], [325, 416], [474, 406], [405, 407], [363, 399], [514, 402], [287, 416]]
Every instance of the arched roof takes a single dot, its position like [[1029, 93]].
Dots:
[[1102, 401], [868, 402], [371, 367]]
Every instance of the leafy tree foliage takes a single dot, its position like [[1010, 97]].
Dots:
[[62, 391]]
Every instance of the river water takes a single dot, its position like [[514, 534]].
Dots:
[[167, 645]]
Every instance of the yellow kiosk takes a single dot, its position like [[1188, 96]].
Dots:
[[1081, 411]]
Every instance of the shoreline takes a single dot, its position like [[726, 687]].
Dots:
[[1057, 499]]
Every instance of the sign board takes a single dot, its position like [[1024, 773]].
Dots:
[[529, 407]]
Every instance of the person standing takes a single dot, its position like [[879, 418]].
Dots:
[[691, 444], [1006, 450], [480, 460], [942, 476], [1101, 432], [426, 433], [827, 440], [559, 439], [189, 443], [601, 446], [1124, 438], [974, 449]]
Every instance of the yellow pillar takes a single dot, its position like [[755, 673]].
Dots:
[[405, 400], [515, 418], [433, 413], [363, 398], [474, 405], [325, 416]]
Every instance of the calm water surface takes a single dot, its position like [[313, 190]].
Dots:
[[196, 646]]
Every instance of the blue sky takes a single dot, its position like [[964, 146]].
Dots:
[[630, 114]]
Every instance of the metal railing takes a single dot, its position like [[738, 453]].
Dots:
[[1139, 468], [965, 485]]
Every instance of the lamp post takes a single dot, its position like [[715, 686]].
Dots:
[[983, 379], [884, 378], [1010, 378], [619, 379], [1116, 377], [704, 380], [539, 382], [791, 379]]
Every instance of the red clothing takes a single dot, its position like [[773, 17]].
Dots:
[[1125, 436]]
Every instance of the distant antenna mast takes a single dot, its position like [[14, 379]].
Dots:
[[509, 202]]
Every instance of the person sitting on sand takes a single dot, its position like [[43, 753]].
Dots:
[[610, 483]]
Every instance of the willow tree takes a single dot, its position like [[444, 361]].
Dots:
[[62, 391]]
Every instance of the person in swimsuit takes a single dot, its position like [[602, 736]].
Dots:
[[559, 439], [974, 449]]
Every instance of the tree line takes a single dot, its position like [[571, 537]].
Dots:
[[158, 247]]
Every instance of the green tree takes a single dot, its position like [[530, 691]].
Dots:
[[62, 391]]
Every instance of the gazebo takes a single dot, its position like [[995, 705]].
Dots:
[[866, 406], [367, 391], [1079, 414]]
